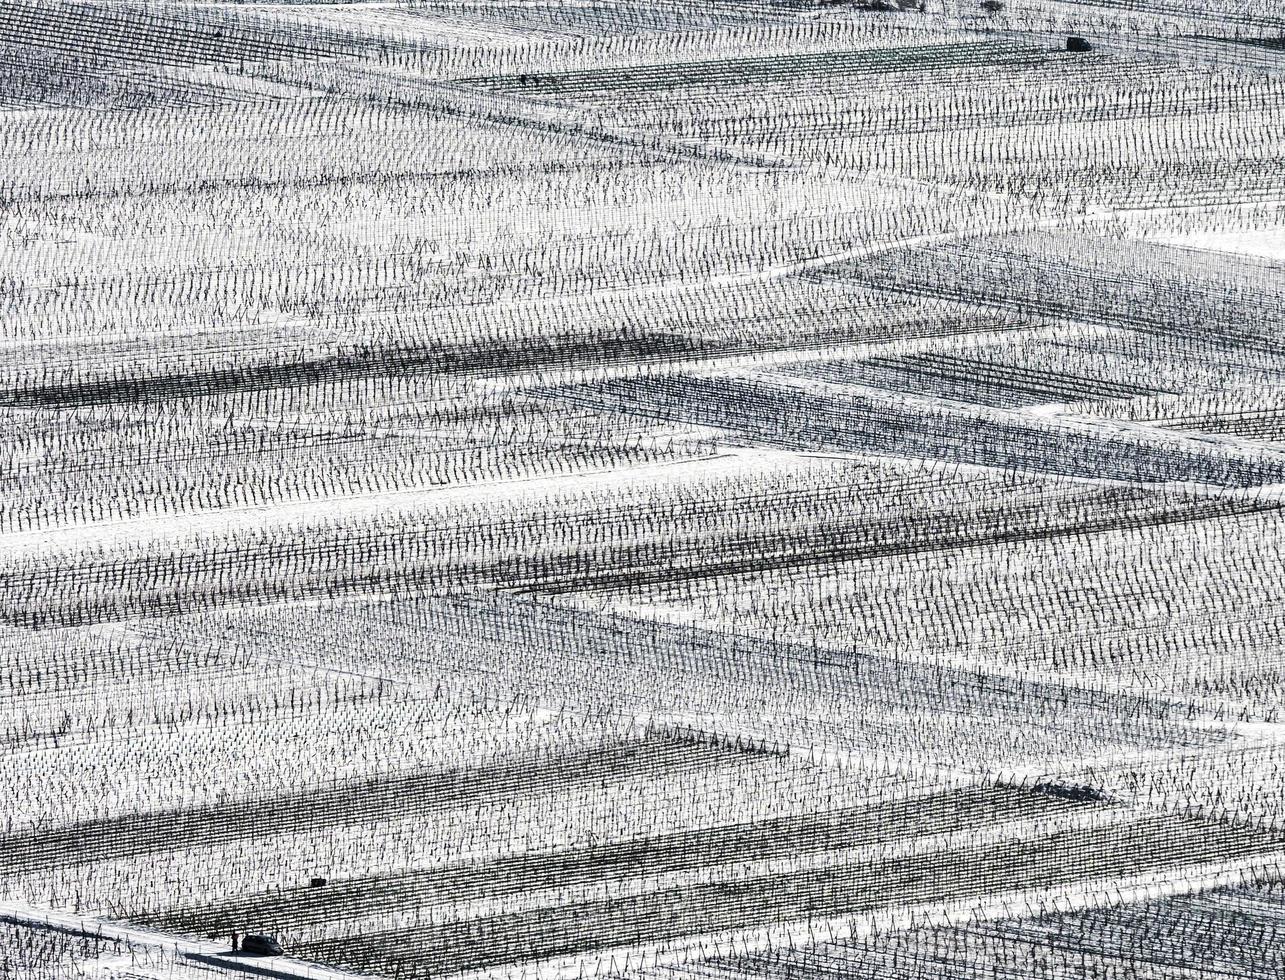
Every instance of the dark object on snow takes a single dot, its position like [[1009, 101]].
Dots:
[[1077, 794], [316, 882], [263, 945], [234, 941], [1074, 43], [992, 6]]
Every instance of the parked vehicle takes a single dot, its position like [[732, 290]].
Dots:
[[263, 945]]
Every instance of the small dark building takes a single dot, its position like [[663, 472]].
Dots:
[[1074, 43]]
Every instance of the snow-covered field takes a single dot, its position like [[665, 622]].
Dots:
[[752, 488]]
